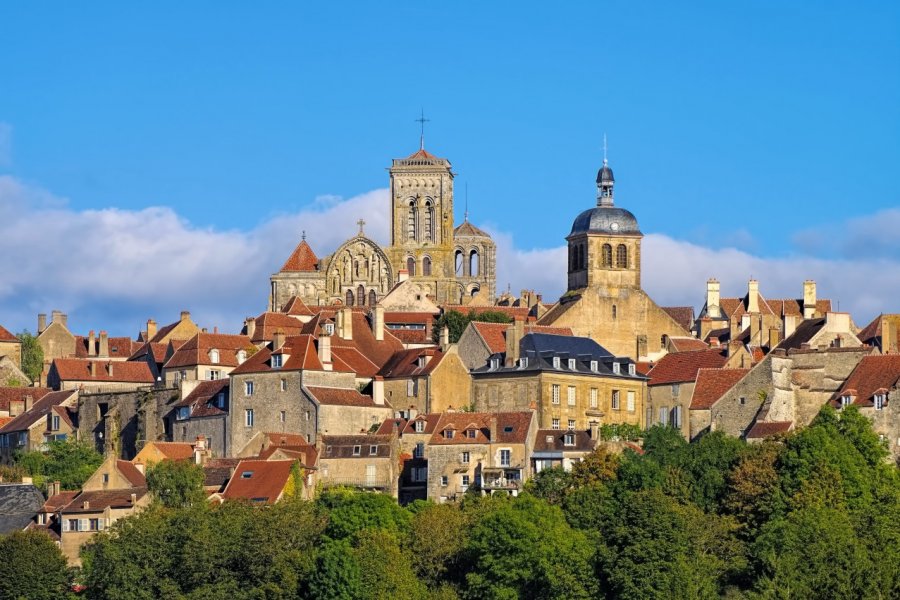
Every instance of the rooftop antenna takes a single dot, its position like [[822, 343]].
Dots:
[[422, 120], [604, 150]]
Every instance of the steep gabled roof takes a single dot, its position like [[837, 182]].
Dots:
[[871, 333], [19, 503], [8, 394], [554, 440], [466, 229], [683, 315], [686, 344], [269, 322], [174, 450], [512, 427], [79, 369], [202, 398], [494, 334], [682, 367], [301, 259], [296, 307], [805, 331], [100, 500], [6, 336], [259, 481], [196, 350], [406, 363], [39, 410], [712, 385], [131, 473], [874, 373]]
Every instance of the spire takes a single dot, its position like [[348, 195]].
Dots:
[[605, 181], [422, 120]]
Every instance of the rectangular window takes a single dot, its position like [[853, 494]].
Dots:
[[94, 524], [614, 403], [419, 452], [556, 362], [554, 393], [663, 415], [73, 524], [571, 364], [616, 368], [555, 423], [630, 400], [307, 415], [742, 400], [464, 480], [879, 402], [248, 417], [282, 417], [569, 439], [594, 366], [373, 450], [676, 389], [676, 417], [214, 374], [284, 385], [411, 387], [471, 433], [631, 369], [845, 400], [570, 397], [276, 361], [420, 426], [357, 450], [571, 423], [505, 457], [54, 423], [248, 388], [593, 397], [444, 481], [464, 458]]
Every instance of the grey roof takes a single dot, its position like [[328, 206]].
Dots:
[[19, 503], [563, 344], [605, 174], [606, 220], [805, 331]]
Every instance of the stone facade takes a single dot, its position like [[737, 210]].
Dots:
[[668, 404], [445, 387], [118, 423]]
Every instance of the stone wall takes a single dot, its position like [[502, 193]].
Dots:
[[669, 397], [274, 409], [735, 411], [119, 422]]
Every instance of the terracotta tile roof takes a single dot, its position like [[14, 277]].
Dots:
[[68, 414], [4, 421], [643, 367], [871, 332], [680, 367], [270, 322], [467, 229], [764, 429], [422, 153], [683, 315], [408, 427], [494, 334], [301, 259], [131, 473], [202, 398], [712, 385], [296, 307], [156, 350], [723, 335], [175, 450], [873, 374], [411, 336], [217, 471], [292, 445], [259, 481], [418, 318], [8, 394], [686, 344], [119, 347], [553, 440], [196, 351], [6, 336], [100, 500], [406, 363], [58, 501], [79, 369], [39, 410], [340, 397], [512, 427], [341, 446]]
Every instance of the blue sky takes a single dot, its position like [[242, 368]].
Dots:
[[767, 128]]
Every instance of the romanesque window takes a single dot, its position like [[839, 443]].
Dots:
[[411, 266], [411, 221], [373, 298], [474, 291], [426, 266], [349, 298], [458, 260], [361, 295], [607, 255], [622, 257], [429, 222], [474, 265]]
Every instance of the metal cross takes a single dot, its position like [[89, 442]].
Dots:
[[303, 235], [422, 120], [360, 223], [604, 148]]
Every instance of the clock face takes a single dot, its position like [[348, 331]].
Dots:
[[614, 226]]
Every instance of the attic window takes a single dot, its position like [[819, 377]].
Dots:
[[357, 450], [214, 356], [471, 433], [549, 439], [329, 328], [421, 362], [373, 450], [523, 362], [448, 433], [241, 356], [495, 363], [846, 400], [879, 401], [220, 400], [617, 368], [420, 426], [571, 364], [594, 366], [569, 439], [246, 474], [507, 429], [556, 362], [276, 361], [631, 369]]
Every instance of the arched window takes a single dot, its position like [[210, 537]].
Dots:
[[474, 291], [474, 265], [411, 266], [458, 260], [429, 222], [361, 295], [373, 298], [607, 255], [412, 221], [426, 266], [622, 257], [349, 298]]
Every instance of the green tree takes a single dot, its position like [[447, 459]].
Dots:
[[456, 322], [550, 485], [753, 493], [32, 567], [597, 467], [68, 461], [524, 548], [32, 356], [337, 575], [386, 571], [350, 512], [436, 539], [176, 483]]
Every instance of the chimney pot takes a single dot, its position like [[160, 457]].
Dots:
[[42, 323], [250, 326], [185, 315], [104, 345], [92, 348], [151, 329]]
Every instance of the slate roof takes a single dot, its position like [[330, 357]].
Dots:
[[8, 394], [764, 429], [494, 334], [341, 446], [682, 367], [805, 331], [6, 336], [553, 440], [19, 503], [512, 428], [196, 350], [301, 259], [874, 373], [39, 410], [683, 315], [712, 385], [79, 369]]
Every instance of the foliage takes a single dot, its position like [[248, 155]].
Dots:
[[176, 483], [456, 322], [550, 485], [13, 381], [32, 567], [351, 512], [621, 431], [68, 461], [32, 356]]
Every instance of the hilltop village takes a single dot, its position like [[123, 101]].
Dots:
[[401, 370]]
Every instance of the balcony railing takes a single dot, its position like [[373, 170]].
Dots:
[[358, 482]]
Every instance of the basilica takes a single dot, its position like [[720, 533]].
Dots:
[[449, 264]]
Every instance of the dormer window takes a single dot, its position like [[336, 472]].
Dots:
[[220, 400], [495, 364], [846, 399], [183, 412], [617, 368], [277, 361], [631, 369], [420, 426], [571, 364], [594, 366], [329, 328], [357, 450], [569, 439], [373, 450], [556, 362], [214, 356], [523, 362], [241, 356], [421, 362], [879, 400], [448, 433], [471, 433]]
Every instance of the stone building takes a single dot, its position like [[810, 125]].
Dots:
[[570, 382], [202, 412], [874, 387], [10, 346], [365, 461], [605, 300], [480, 340], [98, 375], [50, 418], [554, 448], [426, 380], [120, 422], [448, 263], [710, 385], [413, 435], [206, 357]]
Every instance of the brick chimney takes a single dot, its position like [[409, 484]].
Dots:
[[809, 299], [250, 326], [712, 298], [42, 323], [151, 329], [378, 390], [790, 325], [753, 296], [378, 322], [103, 352], [201, 453], [92, 349]]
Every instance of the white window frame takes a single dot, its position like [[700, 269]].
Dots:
[[556, 362], [465, 457], [615, 401], [505, 457], [555, 424], [594, 366], [569, 439], [554, 393], [419, 426], [445, 481], [248, 388], [248, 417], [571, 395], [617, 369], [357, 450], [571, 424], [879, 401], [630, 400], [571, 364], [594, 395], [214, 356]]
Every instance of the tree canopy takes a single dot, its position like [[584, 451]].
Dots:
[[32, 355]]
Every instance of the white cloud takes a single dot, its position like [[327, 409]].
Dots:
[[115, 268]]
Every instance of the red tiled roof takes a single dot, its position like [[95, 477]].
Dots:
[[301, 259], [417, 318], [421, 153], [686, 344], [494, 334], [131, 473], [58, 501], [293, 445], [680, 367], [683, 315], [873, 373], [550, 440], [296, 307], [517, 423], [39, 410], [259, 480], [202, 398], [196, 350], [712, 384], [119, 347], [766, 429], [100, 500], [871, 331], [79, 369], [156, 350], [643, 367], [408, 427], [340, 397], [270, 322], [8, 394], [68, 414], [175, 450], [6, 336], [406, 363], [411, 336]]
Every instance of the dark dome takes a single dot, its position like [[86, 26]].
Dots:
[[605, 219], [605, 175]]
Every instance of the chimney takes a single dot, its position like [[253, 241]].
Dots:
[[133, 498], [103, 352], [151, 329], [93, 369], [200, 451], [494, 429], [514, 334], [445, 338], [250, 326], [55, 488], [346, 323], [16, 408], [42, 323], [92, 348], [204, 330], [325, 350], [790, 325], [56, 316], [837, 321], [277, 339], [29, 401], [712, 298], [378, 322], [185, 315], [753, 296], [402, 275], [755, 327], [809, 299], [378, 390], [594, 428], [773, 338], [109, 368]]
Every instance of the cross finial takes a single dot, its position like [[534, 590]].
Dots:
[[604, 150], [360, 223], [422, 120], [303, 235]]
